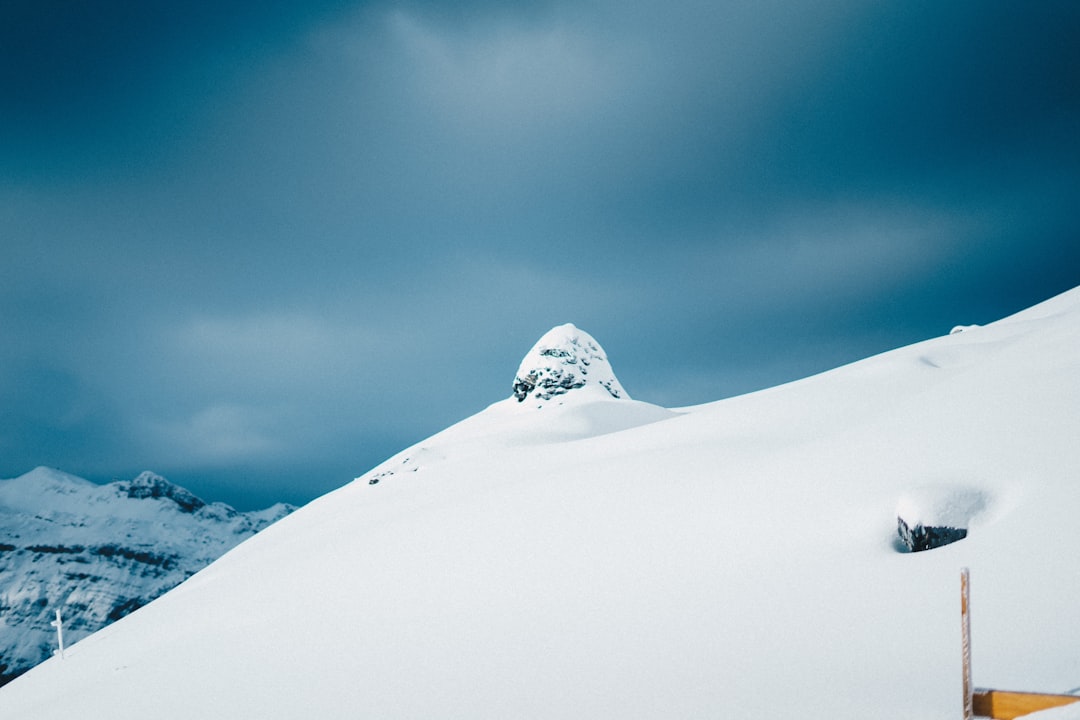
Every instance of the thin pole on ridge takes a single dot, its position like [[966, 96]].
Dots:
[[58, 623]]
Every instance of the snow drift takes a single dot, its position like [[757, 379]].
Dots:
[[733, 559]]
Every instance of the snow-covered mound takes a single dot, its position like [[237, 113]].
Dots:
[[98, 552], [567, 375], [564, 361], [737, 559], [934, 515]]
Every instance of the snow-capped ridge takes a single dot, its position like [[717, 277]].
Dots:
[[566, 360], [53, 477]]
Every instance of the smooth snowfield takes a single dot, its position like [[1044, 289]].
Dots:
[[731, 560]]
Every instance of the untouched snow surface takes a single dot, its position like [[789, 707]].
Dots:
[[735, 559]]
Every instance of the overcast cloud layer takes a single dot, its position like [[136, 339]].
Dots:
[[258, 250]]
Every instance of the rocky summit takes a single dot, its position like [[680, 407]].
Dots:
[[566, 360]]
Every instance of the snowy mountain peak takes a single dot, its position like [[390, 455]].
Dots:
[[53, 478], [152, 485], [566, 359]]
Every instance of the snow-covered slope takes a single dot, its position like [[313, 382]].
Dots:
[[591, 559], [98, 552]]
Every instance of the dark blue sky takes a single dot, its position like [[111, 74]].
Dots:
[[259, 248]]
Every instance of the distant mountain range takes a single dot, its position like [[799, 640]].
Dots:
[[98, 552]]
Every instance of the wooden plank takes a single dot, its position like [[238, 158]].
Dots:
[[1006, 705], [965, 641]]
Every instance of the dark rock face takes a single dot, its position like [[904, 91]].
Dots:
[[524, 385], [547, 383], [919, 538]]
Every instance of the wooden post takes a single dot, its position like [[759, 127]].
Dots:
[[965, 633]]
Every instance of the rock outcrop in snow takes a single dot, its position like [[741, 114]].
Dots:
[[566, 360], [935, 515], [919, 537], [99, 552]]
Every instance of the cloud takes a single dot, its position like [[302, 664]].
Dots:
[[505, 80], [264, 352], [220, 433]]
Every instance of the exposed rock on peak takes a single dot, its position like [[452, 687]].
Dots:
[[151, 485], [566, 359]]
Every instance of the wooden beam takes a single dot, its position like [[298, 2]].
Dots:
[[1006, 705]]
